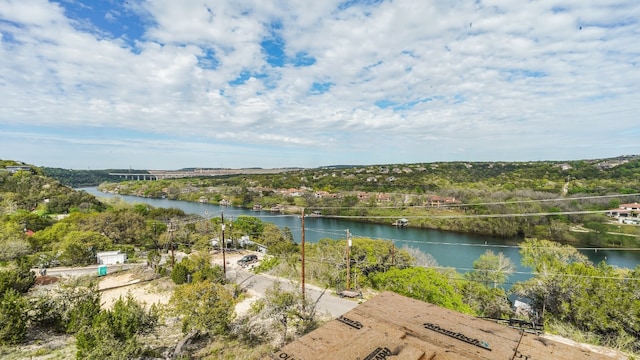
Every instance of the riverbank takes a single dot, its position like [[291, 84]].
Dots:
[[450, 249], [442, 214]]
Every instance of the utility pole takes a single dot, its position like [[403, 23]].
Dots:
[[393, 253], [173, 257], [233, 242], [302, 250], [348, 261], [223, 246], [206, 222]]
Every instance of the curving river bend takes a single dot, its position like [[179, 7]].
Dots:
[[449, 249]]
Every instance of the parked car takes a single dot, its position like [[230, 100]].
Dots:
[[248, 259]]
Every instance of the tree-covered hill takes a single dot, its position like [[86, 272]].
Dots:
[[482, 196], [594, 176], [30, 191], [81, 178]]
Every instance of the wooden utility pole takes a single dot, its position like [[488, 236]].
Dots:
[[173, 257], [348, 261], [223, 246], [393, 253], [302, 250]]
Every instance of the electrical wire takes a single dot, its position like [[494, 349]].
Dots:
[[479, 204], [464, 270]]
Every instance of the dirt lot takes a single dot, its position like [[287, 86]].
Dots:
[[144, 291], [159, 291]]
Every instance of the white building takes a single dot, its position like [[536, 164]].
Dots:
[[111, 257]]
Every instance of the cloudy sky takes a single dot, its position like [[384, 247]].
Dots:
[[166, 84]]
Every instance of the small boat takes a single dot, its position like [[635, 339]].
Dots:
[[400, 223]]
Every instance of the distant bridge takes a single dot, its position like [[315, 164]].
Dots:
[[169, 174], [135, 176]]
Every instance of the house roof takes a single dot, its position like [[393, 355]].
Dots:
[[634, 205], [392, 326]]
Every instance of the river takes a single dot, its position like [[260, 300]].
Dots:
[[448, 248]]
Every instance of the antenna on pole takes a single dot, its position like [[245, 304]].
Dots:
[[302, 250]]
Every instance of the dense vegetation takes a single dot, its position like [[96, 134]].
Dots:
[[43, 223], [83, 178]]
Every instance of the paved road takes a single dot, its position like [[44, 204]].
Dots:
[[259, 283]]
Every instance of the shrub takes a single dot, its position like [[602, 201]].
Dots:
[[13, 317]]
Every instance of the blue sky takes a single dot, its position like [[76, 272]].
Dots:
[[165, 84]]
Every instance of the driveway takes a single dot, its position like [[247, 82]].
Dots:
[[327, 303]]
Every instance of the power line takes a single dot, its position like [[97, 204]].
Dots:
[[467, 216], [312, 259], [477, 204], [331, 232]]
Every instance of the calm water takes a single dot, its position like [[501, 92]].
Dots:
[[448, 248]]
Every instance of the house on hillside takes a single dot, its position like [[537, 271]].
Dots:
[[383, 198], [631, 207], [437, 201], [15, 169], [626, 213], [320, 194]]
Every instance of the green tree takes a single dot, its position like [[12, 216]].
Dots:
[[113, 333], [599, 300], [79, 307], [45, 239], [180, 273], [98, 342], [366, 258], [281, 306], [286, 309], [248, 225], [153, 259], [491, 269], [423, 284], [121, 226], [197, 267], [420, 258], [541, 255], [15, 248], [80, 247], [279, 242], [17, 276], [67, 308], [549, 260], [486, 301], [205, 307], [14, 318]]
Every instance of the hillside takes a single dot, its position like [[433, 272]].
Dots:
[[83, 178], [488, 198], [44, 224]]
